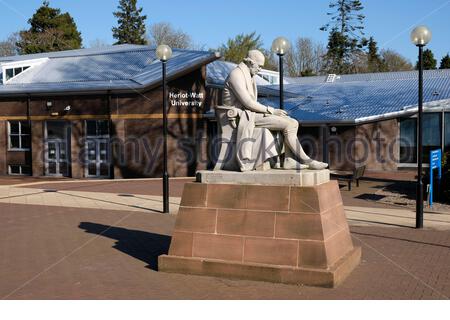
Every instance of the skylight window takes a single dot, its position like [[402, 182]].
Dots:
[[270, 76], [10, 70], [331, 77]]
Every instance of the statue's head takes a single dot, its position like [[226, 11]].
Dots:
[[254, 61]]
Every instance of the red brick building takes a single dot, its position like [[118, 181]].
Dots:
[[97, 113]]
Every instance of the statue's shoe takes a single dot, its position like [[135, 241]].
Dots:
[[291, 164], [317, 165]]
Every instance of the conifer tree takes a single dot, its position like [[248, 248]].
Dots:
[[50, 30], [429, 62], [237, 48], [445, 62], [346, 29], [374, 63], [131, 23], [337, 56]]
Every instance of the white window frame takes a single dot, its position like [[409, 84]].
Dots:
[[270, 76], [20, 64], [14, 71], [20, 135], [20, 169]]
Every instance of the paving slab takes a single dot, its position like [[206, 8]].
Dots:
[[85, 199], [364, 216], [95, 241], [51, 252], [146, 195]]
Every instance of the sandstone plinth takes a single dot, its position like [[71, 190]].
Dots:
[[279, 233]]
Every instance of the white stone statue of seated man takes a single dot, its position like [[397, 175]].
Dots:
[[240, 91]]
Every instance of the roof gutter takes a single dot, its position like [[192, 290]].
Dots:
[[331, 121], [407, 111]]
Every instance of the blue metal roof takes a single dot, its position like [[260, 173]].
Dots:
[[123, 67], [349, 98], [358, 98], [378, 76]]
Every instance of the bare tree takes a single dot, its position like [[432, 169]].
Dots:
[[319, 58], [8, 47], [305, 54], [98, 43], [164, 33], [393, 61], [358, 62], [271, 62], [305, 58]]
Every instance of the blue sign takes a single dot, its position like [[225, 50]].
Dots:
[[435, 163]]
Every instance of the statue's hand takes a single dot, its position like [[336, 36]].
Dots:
[[279, 112], [276, 112]]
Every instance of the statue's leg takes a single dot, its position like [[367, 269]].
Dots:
[[290, 163], [291, 140], [290, 134], [289, 127]]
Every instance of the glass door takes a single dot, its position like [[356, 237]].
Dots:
[[57, 164], [97, 158], [57, 158], [97, 149]]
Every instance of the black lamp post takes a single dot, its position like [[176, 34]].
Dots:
[[280, 46], [164, 52], [420, 36]]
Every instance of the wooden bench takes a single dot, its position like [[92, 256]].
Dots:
[[355, 176]]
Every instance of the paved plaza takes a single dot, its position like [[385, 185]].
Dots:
[[100, 239]]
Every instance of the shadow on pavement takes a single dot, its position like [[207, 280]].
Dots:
[[379, 222], [406, 189], [370, 196], [112, 202], [400, 239], [141, 245]]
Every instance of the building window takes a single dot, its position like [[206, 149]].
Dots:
[[269, 78], [447, 132], [408, 140], [431, 137], [19, 135], [97, 128], [432, 134], [19, 169], [12, 72]]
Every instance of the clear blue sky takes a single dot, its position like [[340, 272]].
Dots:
[[212, 22]]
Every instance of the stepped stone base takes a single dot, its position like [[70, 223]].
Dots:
[[272, 177], [264, 272], [289, 234]]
